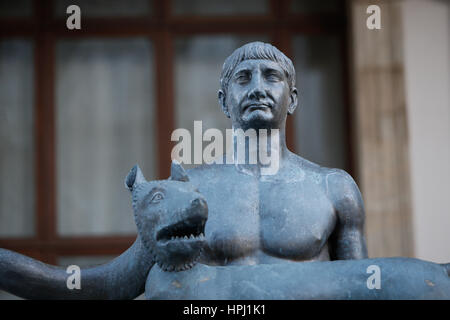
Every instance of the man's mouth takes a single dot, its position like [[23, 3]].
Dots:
[[256, 106]]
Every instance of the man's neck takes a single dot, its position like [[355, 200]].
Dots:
[[258, 152]]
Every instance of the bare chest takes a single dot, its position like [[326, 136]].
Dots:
[[260, 219]]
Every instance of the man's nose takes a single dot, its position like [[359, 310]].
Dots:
[[257, 90]]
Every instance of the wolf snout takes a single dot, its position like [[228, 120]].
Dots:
[[199, 202], [200, 207]]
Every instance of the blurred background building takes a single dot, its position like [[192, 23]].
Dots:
[[78, 108]]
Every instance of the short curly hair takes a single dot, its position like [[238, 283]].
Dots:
[[256, 50]]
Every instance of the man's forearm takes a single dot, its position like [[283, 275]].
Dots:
[[407, 279]]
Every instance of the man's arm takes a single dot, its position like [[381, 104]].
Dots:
[[122, 278], [347, 240], [345, 279]]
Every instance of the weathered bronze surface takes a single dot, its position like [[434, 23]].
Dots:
[[227, 231]]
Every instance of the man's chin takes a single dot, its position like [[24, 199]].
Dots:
[[258, 119]]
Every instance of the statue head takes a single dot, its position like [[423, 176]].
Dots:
[[257, 87], [170, 216]]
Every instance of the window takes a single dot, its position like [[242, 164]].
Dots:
[[80, 107]]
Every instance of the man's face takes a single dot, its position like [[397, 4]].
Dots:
[[258, 95]]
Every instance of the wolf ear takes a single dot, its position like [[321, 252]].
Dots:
[[177, 172], [134, 178]]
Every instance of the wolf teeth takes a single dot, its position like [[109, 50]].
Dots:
[[186, 237]]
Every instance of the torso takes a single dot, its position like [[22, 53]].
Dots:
[[269, 219]]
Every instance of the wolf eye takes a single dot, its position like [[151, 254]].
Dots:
[[157, 197]]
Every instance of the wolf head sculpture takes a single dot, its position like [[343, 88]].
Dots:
[[170, 216]]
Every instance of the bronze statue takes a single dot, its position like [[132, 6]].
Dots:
[[265, 236]]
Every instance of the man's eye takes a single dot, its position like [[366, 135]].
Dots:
[[157, 197], [242, 78], [273, 77]]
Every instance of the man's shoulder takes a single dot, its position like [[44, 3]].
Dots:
[[336, 182], [325, 174], [344, 193]]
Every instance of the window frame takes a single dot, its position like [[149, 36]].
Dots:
[[161, 28]]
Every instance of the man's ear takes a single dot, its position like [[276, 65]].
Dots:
[[293, 102], [134, 178], [222, 102]]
